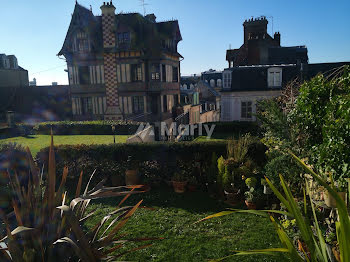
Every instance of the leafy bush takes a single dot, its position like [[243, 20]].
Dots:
[[282, 164], [322, 116], [251, 182]]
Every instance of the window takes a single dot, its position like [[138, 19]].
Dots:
[[82, 43], [87, 105], [155, 72], [246, 110], [138, 105], [219, 82], [165, 104], [163, 73], [227, 79], [212, 83], [136, 73], [123, 38], [84, 75], [175, 74], [274, 77]]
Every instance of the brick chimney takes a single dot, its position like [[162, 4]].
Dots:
[[110, 71], [254, 26], [277, 38]]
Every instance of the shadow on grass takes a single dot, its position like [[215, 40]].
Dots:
[[29, 136], [194, 202]]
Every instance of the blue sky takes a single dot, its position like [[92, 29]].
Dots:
[[35, 30]]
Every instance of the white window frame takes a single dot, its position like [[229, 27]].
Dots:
[[245, 103], [274, 77], [227, 79]]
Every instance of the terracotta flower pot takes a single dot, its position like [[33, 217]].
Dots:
[[330, 201], [132, 177], [250, 205], [336, 254], [179, 187]]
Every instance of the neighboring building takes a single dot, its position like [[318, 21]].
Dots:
[[123, 66], [189, 82], [213, 78], [12, 75], [33, 104], [244, 85], [32, 83], [201, 103], [260, 69], [259, 48]]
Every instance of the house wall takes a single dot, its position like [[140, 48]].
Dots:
[[231, 103], [13, 78]]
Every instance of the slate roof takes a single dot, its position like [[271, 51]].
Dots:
[[254, 78], [211, 89], [146, 33], [324, 68], [288, 55]]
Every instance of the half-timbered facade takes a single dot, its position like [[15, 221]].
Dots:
[[122, 66]]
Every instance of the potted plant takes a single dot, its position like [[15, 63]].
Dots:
[[179, 182], [231, 192], [251, 182], [267, 189], [192, 184], [132, 173], [250, 198]]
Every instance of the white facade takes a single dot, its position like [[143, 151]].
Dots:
[[241, 106]]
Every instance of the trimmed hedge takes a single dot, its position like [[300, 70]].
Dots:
[[237, 128], [86, 128], [157, 161]]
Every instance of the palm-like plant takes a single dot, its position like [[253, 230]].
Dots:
[[315, 245], [47, 229]]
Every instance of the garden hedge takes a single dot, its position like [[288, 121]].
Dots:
[[86, 128], [157, 161], [237, 128]]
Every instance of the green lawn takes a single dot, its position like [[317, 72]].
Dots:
[[173, 220], [37, 142]]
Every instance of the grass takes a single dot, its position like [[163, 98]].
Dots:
[[37, 142], [173, 219]]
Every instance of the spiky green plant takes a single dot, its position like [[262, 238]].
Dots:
[[238, 149], [45, 228], [316, 249]]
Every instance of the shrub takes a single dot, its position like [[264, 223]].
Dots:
[[86, 128], [251, 182], [111, 160], [13, 160], [237, 128]]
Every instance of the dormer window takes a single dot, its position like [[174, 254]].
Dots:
[[227, 76], [81, 43], [274, 77], [123, 38]]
